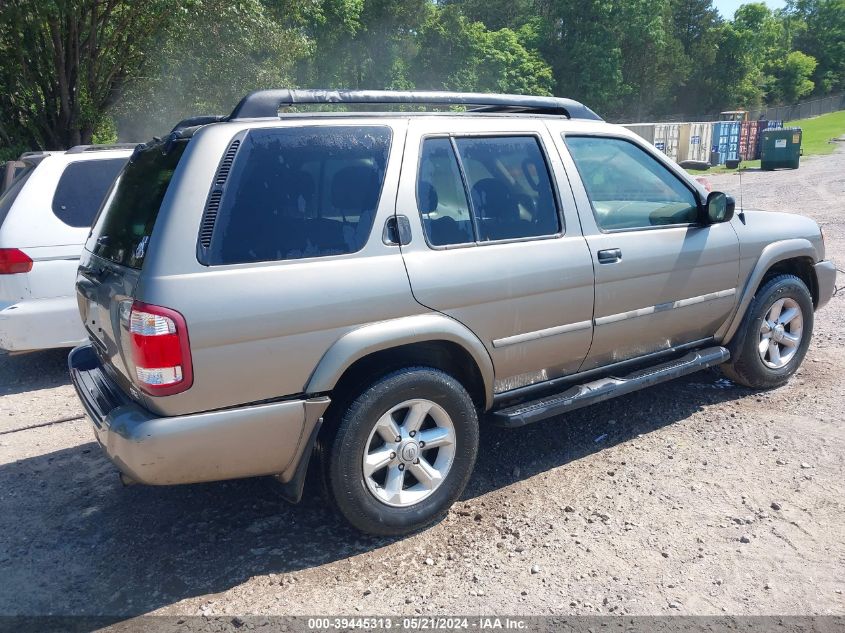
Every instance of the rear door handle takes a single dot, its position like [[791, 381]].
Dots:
[[610, 256]]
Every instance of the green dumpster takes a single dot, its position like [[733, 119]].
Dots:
[[780, 148]]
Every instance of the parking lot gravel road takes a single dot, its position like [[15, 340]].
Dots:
[[693, 497]]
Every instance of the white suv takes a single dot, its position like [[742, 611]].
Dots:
[[46, 214]]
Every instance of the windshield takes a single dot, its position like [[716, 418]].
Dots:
[[125, 224]]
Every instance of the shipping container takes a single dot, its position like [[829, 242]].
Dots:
[[726, 140], [694, 141], [748, 139], [666, 138], [645, 130]]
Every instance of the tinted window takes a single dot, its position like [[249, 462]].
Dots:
[[629, 188], [81, 190], [441, 197], [8, 197], [507, 184], [300, 192], [125, 224]]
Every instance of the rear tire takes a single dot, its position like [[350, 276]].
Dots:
[[774, 335], [403, 452]]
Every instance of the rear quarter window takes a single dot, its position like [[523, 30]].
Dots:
[[300, 192], [81, 190]]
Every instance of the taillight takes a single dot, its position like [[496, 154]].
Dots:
[[161, 351], [14, 261]]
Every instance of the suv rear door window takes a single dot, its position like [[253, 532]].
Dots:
[[125, 224], [81, 190], [441, 197], [300, 192], [629, 188], [496, 188]]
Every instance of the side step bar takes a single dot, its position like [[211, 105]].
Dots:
[[606, 388]]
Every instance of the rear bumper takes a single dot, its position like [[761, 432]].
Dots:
[[40, 324], [826, 279], [266, 439]]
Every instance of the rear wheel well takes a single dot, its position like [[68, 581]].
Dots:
[[446, 356], [801, 267]]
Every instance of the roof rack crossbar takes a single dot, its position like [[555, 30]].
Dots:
[[264, 104]]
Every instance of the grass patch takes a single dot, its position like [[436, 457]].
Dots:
[[815, 140]]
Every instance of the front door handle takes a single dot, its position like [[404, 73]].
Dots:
[[610, 256]]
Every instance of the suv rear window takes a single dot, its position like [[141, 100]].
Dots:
[[300, 192], [81, 190], [9, 195], [123, 228]]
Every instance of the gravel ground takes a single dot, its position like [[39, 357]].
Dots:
[[693, 497]]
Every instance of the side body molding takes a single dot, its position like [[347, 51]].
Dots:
[[384, 335], [771, 254]]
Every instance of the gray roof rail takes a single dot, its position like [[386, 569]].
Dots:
[[79, 149], [264, 104]]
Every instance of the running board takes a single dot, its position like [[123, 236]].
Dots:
[[606, 388]]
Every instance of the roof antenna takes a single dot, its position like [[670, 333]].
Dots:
[[741, 208]]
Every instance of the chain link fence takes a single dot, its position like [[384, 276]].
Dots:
[[802, 110]]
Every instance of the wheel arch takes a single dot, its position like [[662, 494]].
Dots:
[[433, 340], [795, 256]]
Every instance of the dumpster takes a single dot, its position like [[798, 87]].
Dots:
[[780, 148]]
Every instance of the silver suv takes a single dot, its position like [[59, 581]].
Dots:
[[376, 286]]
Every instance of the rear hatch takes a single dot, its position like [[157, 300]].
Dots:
[[13, 287], [114, 253]]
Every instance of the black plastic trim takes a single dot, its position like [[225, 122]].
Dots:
[[610, 387], [557, 384], [263, 104]]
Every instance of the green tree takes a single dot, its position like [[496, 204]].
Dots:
[[696, 28], [578, 39], [818, 29], [497, 14], [793, 81], [66, 63], [217, 52], [456, 53]]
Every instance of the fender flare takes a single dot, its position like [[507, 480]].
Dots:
[[771, 255], [382, 335]]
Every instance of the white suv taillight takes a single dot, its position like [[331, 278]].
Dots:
[[161, 351], [14, 261]]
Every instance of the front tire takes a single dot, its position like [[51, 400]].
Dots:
[[403, 452], [774, 335]]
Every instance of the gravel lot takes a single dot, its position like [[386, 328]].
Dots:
[[693, 497]]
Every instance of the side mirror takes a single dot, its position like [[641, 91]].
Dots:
[[719, 208]]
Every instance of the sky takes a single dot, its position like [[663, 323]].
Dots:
[[727, 7]]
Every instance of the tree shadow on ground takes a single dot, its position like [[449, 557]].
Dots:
[[20, 373], [81, 544]]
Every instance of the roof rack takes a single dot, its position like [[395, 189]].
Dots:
[[197, 120], [79, 149], [264, 104]]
